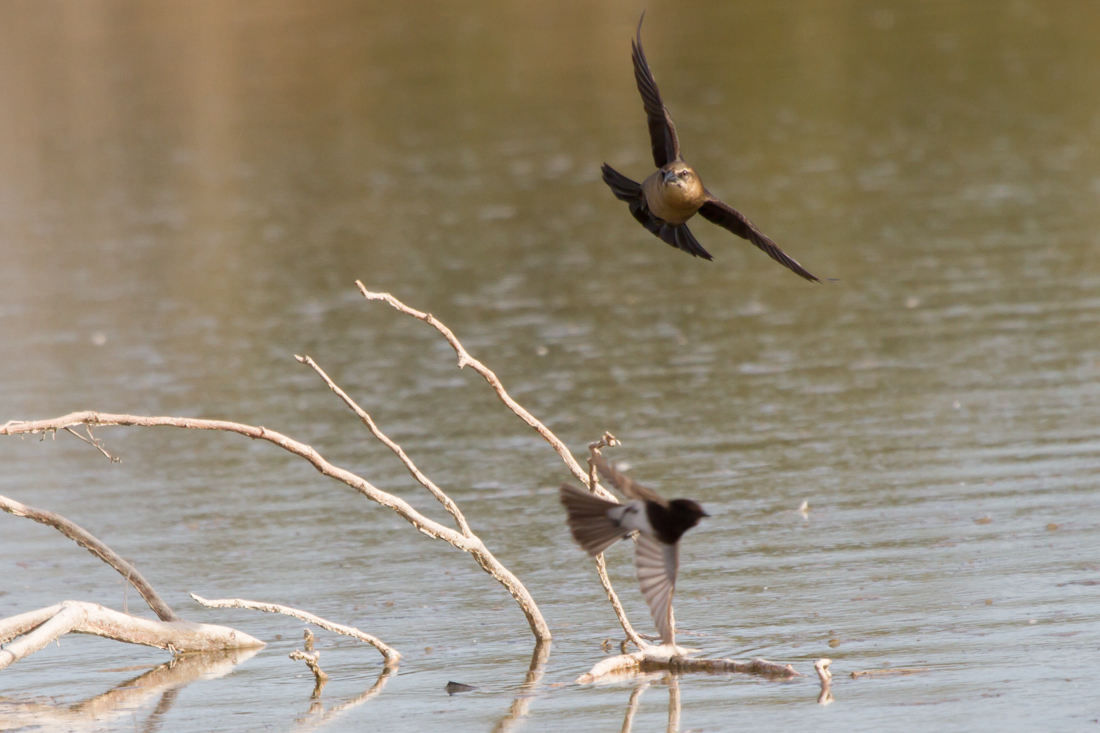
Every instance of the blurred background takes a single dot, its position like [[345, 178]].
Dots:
[[189, 190]]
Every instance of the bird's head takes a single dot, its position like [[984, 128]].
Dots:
[[687, 513], [679, 174]]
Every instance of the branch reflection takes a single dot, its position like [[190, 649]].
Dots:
[[520, 706], [165, 680]]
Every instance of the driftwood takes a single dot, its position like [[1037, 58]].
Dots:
[[464, 539], [675, 659], [29, 632]]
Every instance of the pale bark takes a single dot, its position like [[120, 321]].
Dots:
[[464, 360], [76, 617], [674, 659]]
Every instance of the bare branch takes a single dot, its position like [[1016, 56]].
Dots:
[[97, 548], [620, 613], [824, 676], [601, 564], [424, 480], [312, 659], [95, 443], [431, 528], [391, 655], [464, 359]]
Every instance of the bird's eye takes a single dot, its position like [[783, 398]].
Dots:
[[686, 175]]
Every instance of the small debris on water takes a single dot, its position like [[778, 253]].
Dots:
[[453, 688], [983, 520], [834, 642], [1052, 527]]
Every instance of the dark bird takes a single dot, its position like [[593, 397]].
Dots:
[[597, 524], [674, 193]]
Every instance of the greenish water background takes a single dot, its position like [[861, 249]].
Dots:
[[188, 192]]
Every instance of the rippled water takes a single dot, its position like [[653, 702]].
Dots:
[[188, 192]]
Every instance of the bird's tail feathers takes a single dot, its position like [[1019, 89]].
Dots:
[[623, 188], [592, 528], [680, 237]]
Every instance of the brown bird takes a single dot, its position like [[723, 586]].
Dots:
[[674, 193], [596, 524]]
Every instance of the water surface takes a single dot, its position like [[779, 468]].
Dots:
[[188, 192]]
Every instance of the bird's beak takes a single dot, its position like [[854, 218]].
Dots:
[[670, 177], [705, 514]]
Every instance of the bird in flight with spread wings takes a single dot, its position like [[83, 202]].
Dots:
[[674, 193], [597, 524]]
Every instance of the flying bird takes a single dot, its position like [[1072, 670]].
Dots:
[[597, 524], [674, 193]]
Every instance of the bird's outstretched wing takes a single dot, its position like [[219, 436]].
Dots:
[[657, 564], [727, 217], [627, 486], [662, 133]]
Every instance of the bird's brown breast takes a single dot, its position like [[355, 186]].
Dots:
[[670, 202]]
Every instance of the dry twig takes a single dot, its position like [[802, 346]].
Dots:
[[464, 360], [312, 658], [391, 655]]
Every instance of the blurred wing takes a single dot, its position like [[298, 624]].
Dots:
[[657, 564], [588, 520], [662, 133], [627, 486], [729, 218]]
